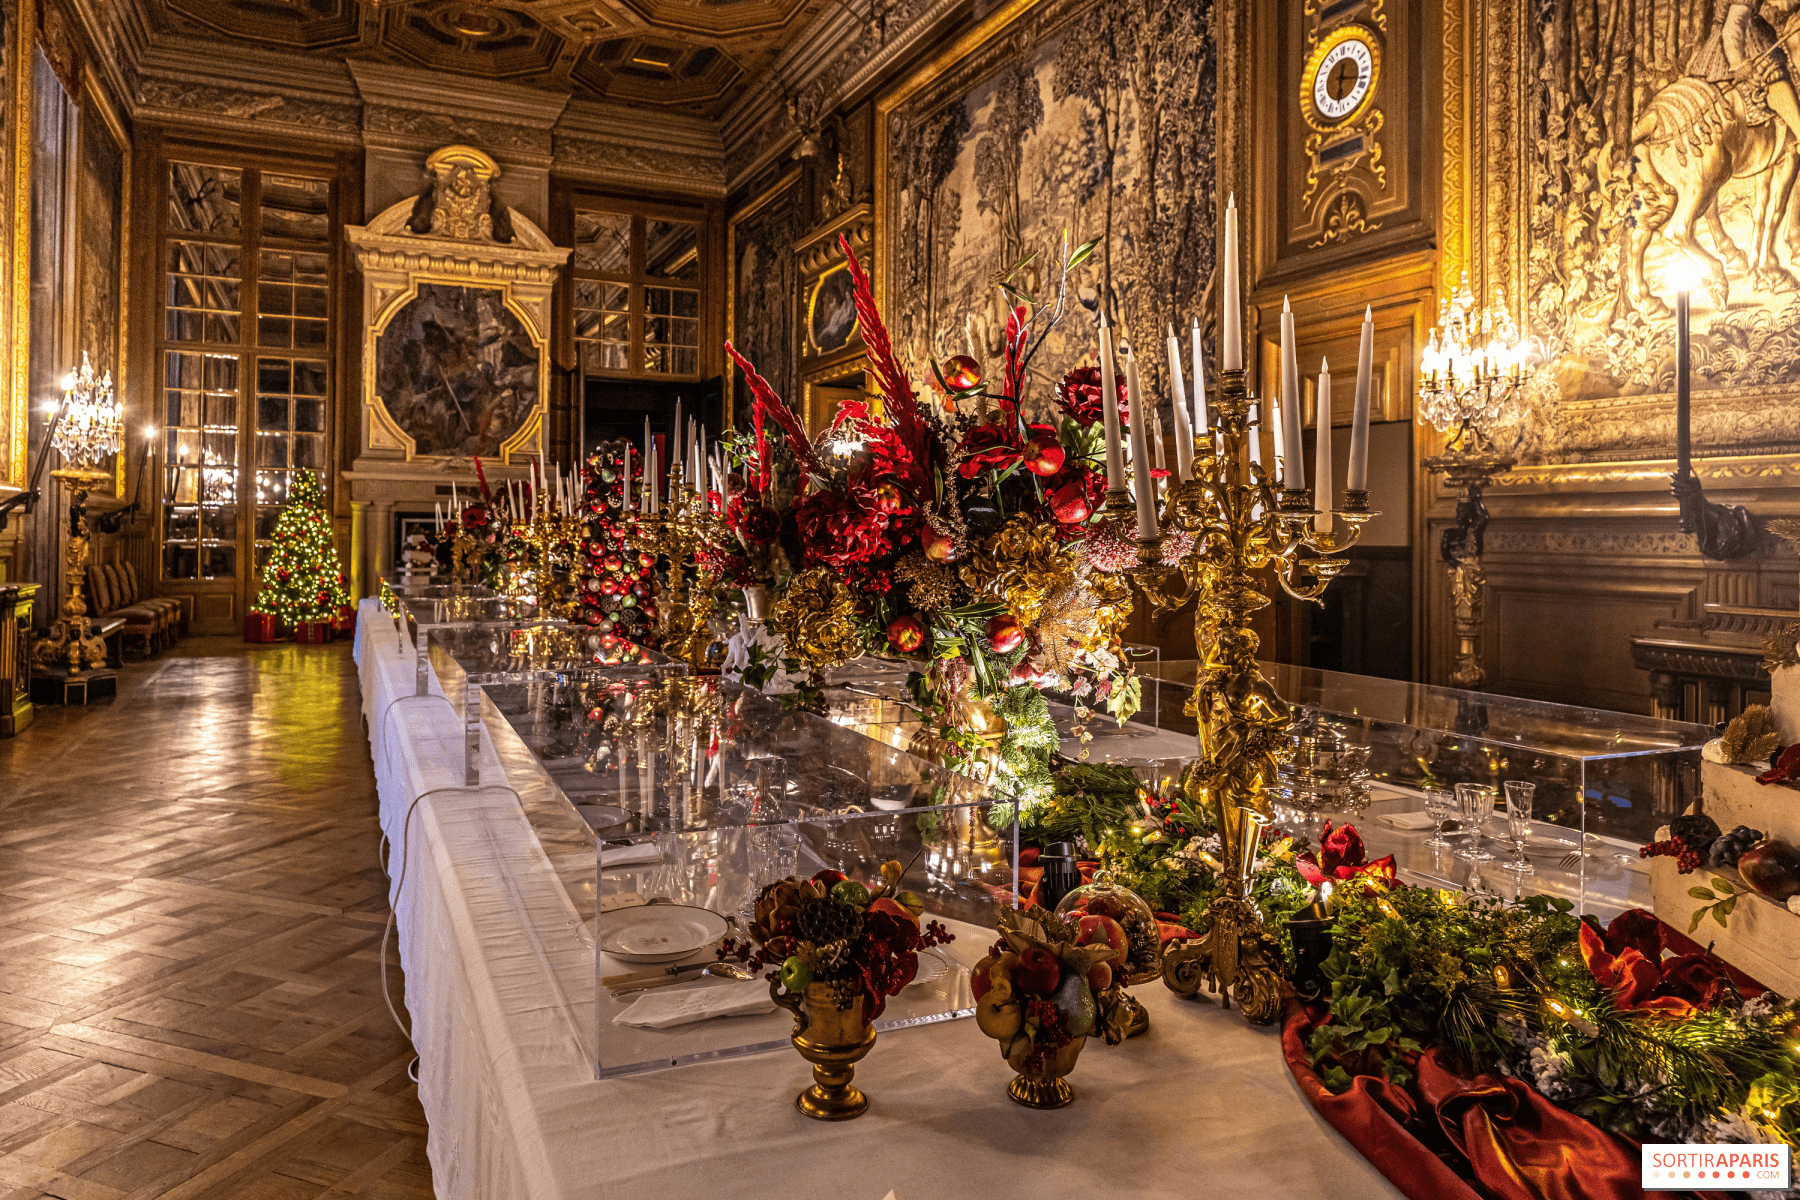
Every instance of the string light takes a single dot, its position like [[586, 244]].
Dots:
[[303, 580]]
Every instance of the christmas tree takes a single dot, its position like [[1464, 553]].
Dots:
[[618, 588], [302, 580]]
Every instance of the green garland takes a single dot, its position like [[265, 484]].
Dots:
[[1505, 987]]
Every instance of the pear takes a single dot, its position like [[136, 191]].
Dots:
[[997, 1013]]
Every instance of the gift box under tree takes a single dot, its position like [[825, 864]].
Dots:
[[303, 582]]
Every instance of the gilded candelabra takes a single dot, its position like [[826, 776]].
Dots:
[[679, 532], [70, 642], [1241, 525], [547, 534]]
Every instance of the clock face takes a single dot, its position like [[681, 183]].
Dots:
[[1340, 76]]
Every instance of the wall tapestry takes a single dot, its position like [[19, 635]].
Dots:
[[457, 370], [1097, 118], [99, 197], [1664, 142], [764, 289]]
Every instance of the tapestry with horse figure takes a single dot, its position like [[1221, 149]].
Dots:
[[1667, 147]]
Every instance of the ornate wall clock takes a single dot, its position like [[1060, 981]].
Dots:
[[1339, 79]]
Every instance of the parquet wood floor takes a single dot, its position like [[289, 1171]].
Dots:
[[191, 911]]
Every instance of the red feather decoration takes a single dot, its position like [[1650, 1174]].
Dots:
[[901, 405], [487, 497], [768, 402]]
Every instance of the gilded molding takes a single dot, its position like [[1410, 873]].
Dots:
[[1583, 543], [19, 394], [176, 99], [389, 124], [597, 161], [395, 262]]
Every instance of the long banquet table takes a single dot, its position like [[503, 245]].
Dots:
[[499, 990]]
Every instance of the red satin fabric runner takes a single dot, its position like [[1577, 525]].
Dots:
[[1447, 1137]]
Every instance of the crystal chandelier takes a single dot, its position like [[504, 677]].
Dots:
[[92, 425], [1472, 366]]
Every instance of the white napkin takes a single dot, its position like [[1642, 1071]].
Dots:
[[625, 856], [1407, 820], [683, 1006]]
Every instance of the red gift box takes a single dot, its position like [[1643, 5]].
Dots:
[[312, 633], [261, 627], [345, 622]]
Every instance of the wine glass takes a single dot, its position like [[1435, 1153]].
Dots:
[[1475, 801], [1518, 823], [1440, 806]]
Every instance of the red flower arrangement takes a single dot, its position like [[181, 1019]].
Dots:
[[1079, 395], [832, 929], [1341, 857]]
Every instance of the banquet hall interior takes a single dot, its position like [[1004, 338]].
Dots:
[[598, 596]]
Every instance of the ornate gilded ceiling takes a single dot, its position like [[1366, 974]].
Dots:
[[695, 55]]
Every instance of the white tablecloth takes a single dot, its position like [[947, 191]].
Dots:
[[500, 978]]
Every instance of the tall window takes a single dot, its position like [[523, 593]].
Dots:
[[244, 346], [637, 293]]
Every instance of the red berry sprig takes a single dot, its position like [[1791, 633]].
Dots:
[[1686, 859]]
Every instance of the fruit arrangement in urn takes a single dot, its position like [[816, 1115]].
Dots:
[[1046, 987], [839, 949]]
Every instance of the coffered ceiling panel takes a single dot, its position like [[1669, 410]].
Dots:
[[692, 55]]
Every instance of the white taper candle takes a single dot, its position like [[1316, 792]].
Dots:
[[1322, 492], [1357, 477], [1109, 410]]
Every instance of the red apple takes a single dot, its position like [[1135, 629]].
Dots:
[[889, 498], [1044, 455], [1004, 633], [962, 373], [1103, 931], [1038, 972], [1100, 976], [1771, 868], [1070, 503], [938, 547], [906, 634]]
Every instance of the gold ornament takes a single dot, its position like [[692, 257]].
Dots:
[[1021, 564], [933, 587], [816, 619]]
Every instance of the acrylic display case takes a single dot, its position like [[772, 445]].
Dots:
[[689, 790]]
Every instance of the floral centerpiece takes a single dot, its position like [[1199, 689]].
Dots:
[[839, 949], [1048, 985], [949, 531]]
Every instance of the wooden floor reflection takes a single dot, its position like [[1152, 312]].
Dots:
[[191, 909]]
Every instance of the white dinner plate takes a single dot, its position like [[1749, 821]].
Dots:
[[658, 933]]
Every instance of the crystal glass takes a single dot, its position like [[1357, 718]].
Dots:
[[1440, 806], [1518, 823], [1475, 801]]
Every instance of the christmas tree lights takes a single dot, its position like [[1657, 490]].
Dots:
[[303, 580]]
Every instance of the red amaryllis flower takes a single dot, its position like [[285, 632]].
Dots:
[[475, 516], [1079, 395], [1341, 857], [757, 524], [988, 447], [838, 531]]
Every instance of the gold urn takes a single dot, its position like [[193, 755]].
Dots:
[[833, 1039]]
